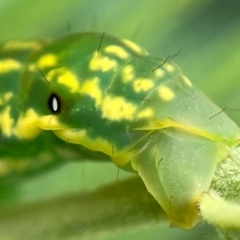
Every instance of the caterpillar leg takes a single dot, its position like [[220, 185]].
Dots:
[[177, 168]]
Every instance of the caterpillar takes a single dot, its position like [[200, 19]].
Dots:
[[97, 97]]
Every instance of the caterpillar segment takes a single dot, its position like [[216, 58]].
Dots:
[[106, 98], [24, 148]]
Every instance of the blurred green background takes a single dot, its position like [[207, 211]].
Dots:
[[206, 32]]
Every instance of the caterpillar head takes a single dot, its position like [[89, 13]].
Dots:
[[108, 95]]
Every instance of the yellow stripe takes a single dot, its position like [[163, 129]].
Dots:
[[9, 65]]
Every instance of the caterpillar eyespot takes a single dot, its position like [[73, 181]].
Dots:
[[54, 103], [122, 104]]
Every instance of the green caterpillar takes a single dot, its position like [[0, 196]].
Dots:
[[93, 96]]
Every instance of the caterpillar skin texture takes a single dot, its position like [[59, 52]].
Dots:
[[96, 97]]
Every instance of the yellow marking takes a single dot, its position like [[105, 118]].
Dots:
[[50, 122], [123, 159], [151, 125], [27, 125], [7, 96], [64, 76], [146, 113], [72, 135], [128, 73], [1, 102], [91, 88], [169, 67], [117, 109], [143, 84], [187, 81], [9, 65], [12, 45], [69, 79], [6, 122], [79, 136], [135, 47], [102, 63], [47, 60], [166, 93], [117, 50], [159, 72], [168, 122], [52, 74]]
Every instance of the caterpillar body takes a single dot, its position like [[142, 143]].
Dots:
[[105, 98]]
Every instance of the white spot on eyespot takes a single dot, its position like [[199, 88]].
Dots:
[[55, 104]]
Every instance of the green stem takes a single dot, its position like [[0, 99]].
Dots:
[[119, 207]]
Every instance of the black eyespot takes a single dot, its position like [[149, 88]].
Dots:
[[54, 103]]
